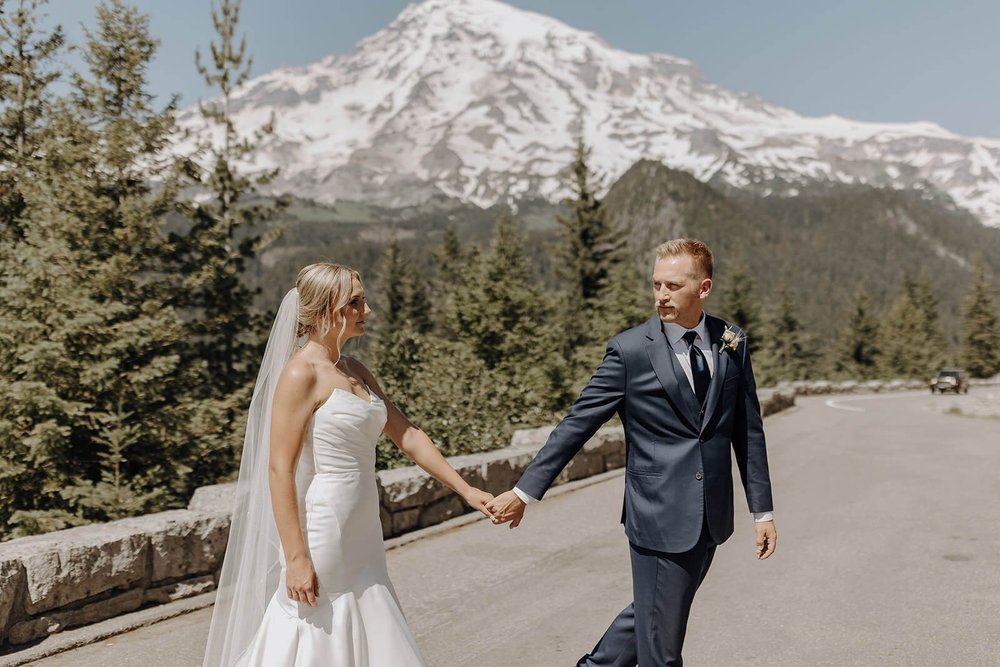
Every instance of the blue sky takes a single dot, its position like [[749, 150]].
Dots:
[[891, 60]]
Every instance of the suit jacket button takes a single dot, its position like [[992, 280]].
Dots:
[[698, 475]]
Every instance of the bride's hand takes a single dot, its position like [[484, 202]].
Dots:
[[301, 581], [477, 499]]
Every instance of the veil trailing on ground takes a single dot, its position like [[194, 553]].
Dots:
[[252, 567]]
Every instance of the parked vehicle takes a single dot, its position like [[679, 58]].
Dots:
[[949, 379]]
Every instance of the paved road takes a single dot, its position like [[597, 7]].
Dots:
[[889, 554]]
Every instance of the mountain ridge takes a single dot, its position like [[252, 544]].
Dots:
[[480, 101]]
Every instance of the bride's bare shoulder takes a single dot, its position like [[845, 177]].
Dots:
[[298, 376]]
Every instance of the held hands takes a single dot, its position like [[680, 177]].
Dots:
[[507, 507], [477, 499], [301, 581], [767, 539]]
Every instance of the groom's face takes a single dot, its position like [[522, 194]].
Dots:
[[680, 290]]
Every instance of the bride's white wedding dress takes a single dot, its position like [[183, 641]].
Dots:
[[357, 621]]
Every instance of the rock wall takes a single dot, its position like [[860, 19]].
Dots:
[[83, 575]]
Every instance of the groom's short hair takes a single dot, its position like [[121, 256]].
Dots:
[[698, 251]]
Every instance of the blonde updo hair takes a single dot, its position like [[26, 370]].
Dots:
[[324, 289]]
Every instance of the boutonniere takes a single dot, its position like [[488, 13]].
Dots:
[[731, 338]]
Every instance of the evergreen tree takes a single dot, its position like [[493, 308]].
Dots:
[[937, 348], [401, 325], [911, 341], [406, 296], [856, 354], [626, 303], [435, 379], [739, 306], [27, 68], [786, 352], [100, 394], [504, 318], [449, 258], [980, 327], [590, 250], [228, 333], [901, 340]]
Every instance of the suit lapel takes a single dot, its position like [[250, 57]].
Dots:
[[715, 326], [670, 375]]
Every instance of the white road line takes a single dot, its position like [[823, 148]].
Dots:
[[834, 402]]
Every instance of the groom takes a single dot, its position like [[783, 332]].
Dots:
[[684, 389]]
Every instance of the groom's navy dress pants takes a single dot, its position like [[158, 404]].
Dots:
[[650, 631]]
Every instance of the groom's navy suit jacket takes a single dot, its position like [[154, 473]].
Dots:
[[678, 471]]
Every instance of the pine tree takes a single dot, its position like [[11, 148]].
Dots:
[[626, 303], [856, 354], [27, 69], [100, 392], [590, 251], [739, 306], [980, 327], [435, 378], [901, 339], [225, 232], [787, 352], [401, 326], [505, 319], [450, 258], [405, 294], [936, 348], [911, 341]]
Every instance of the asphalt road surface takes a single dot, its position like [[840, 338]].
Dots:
[[888, 516]]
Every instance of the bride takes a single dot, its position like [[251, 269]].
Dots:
[[304, 580]]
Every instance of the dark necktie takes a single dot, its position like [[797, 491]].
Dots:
[[699, 368]]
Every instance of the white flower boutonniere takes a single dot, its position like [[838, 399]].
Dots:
[[731, 338]]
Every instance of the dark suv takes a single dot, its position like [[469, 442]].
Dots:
[[949, 379]]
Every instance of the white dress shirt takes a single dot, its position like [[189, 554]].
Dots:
[[675, 336]]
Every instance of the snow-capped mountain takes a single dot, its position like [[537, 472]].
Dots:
[[479, 100]]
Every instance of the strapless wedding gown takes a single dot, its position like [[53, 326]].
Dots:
[[357, 621]]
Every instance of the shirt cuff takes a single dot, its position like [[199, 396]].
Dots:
[[525, 498], [761, 517]]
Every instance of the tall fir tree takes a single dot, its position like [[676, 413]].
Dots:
[[401, 325], [405, 293], [911, 340], [27, 69], [590, 252], [740, 307], [938, 348], [787, 352], [627, 302], [505, 319], [434, 377], [96, 346], [856, 355], [450, 261], [980, 349], [900, 340], [227, 229]]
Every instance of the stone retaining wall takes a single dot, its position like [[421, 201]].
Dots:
[[83, 575]]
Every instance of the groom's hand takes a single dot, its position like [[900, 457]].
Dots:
[[767, 539], [507, 507]]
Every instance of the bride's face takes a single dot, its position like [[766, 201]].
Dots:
[[355, 312]]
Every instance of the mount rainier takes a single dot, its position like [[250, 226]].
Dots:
[[480, 101]]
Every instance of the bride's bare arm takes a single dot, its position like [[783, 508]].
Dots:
[[292, 408], [420, 448]]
